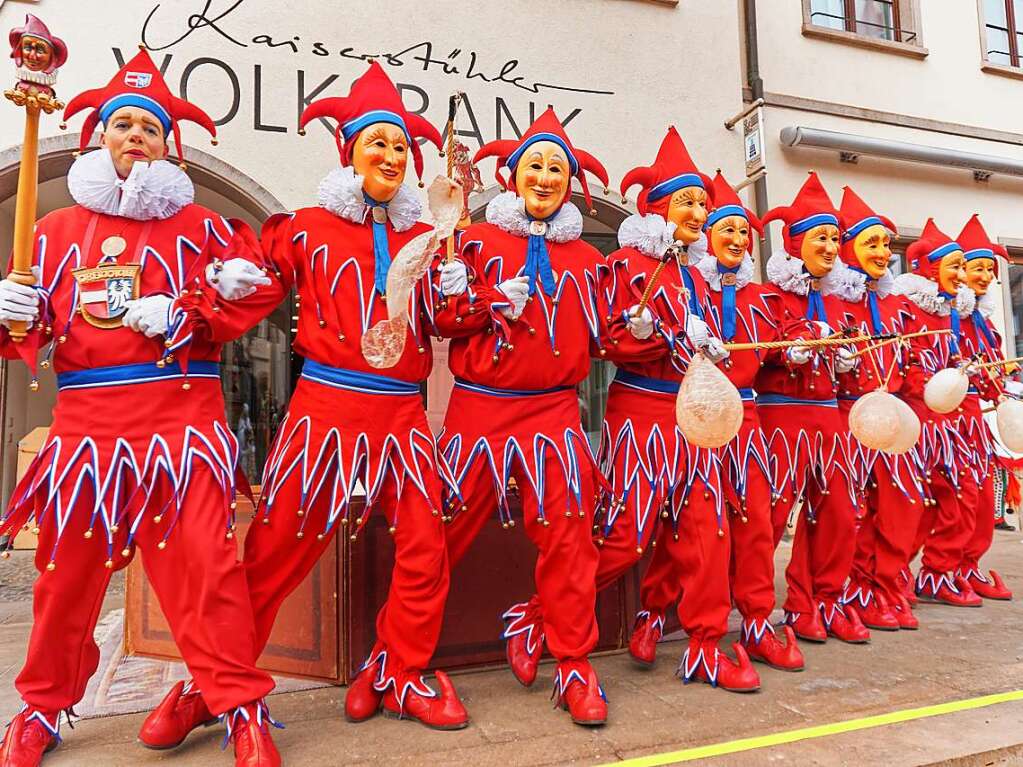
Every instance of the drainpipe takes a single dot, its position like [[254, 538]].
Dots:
[[757, 87]]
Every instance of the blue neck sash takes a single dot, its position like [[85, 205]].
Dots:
[[687, 280], [876, 328], [381, 251], [987, 340], [727, 303], [953, 316], [814, 302], [538, 263]]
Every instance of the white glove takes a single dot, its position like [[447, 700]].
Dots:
[[715, 350], [19, 302], [799, 355], [697, 332], [517, 291], [236, 278], [454, 279], [149, 315], [824, 328], [641, 327], [845, 359]]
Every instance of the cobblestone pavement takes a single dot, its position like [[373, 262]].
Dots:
[[18, 573]]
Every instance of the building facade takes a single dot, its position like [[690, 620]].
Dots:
[[851, 88]]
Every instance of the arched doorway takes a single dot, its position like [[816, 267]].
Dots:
[[256, 367]]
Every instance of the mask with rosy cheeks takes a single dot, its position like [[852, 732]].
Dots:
[[951, 273], [873, 250], [980, 273], [729, 239], [542, 178], [36, 53], [687, 210], [380, 155], [820, 249]]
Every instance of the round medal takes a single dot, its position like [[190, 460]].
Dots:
[[113, 246], [380, 215]]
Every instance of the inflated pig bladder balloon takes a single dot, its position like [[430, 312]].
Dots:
[[709, 408], [874, 420], [946, 390]]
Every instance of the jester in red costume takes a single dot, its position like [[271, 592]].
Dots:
[[138, 288], [349, 429], [945, 524], [523, 333], [661, 485], [891, 492], [798, 409], [980, 342]]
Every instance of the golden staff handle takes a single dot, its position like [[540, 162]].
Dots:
[[650, 286], [899, 339], [449, 254], [808, 343], [25, 212]]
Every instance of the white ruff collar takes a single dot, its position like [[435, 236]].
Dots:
[[152, 190], [922, 292], [507, 211], [341, 193], [851, 285], [708, 266], [651, 235], [966, 301], [986, 304], [787, 273]]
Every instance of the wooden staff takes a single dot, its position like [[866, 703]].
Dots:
[[35, 99], [999, 363], [449, 255], [805, 343], [25, 213], [900, 338]]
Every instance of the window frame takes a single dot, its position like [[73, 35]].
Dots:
[[906, 20], [1015, 54]]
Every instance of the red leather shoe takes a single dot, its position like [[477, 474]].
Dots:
[[437, 710], [904, 614], [249, 728], [988, 588], [908, 587], [523, 635], [577, 690], [362, 701], [704, 662], [645, 635], [938, 587], [843, 625], [180, 712], [770, 650], [28, 737], [807, 626], [876, 613]]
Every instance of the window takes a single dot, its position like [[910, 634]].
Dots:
[[878, 19], [1004, 39]]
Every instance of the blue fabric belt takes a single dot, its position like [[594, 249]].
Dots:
[[781, 399], [144, 372], [493, 391], [662, 385], [353, 380], [972, 390], [848, 397]]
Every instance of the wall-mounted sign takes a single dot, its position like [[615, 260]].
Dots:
[[753, 141]]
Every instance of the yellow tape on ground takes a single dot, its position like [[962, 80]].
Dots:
[[819, 731]]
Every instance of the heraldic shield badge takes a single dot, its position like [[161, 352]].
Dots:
[[104, 292]]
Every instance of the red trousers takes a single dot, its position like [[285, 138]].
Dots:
[[556, 485], [889, 525], [808, 441], [198, 581], [277, 559], [666, 484], [983, 525]]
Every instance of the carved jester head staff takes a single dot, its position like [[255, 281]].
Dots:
[[37, 54]]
